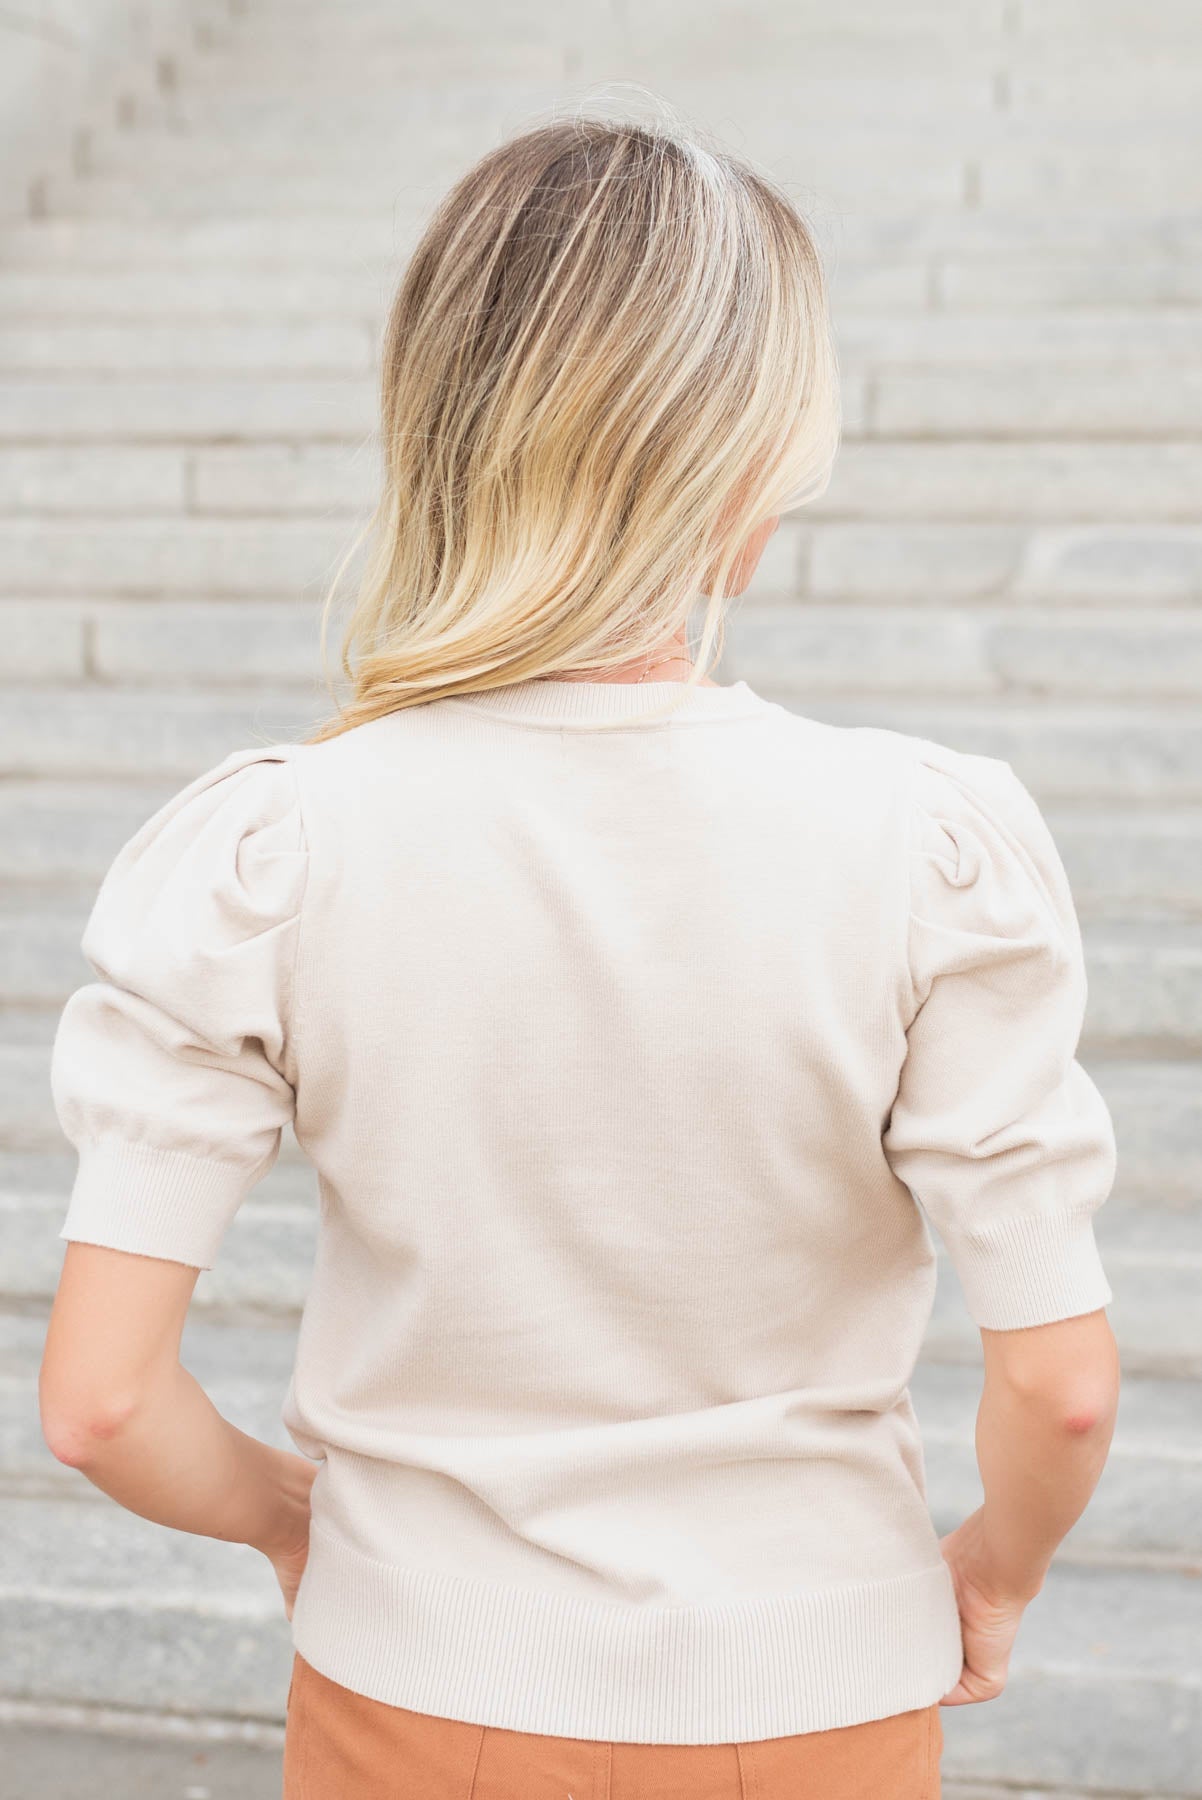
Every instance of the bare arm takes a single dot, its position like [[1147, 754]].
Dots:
[[117, 1404], [1044, 1429]]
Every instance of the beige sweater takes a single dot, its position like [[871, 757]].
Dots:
[[622, 1058]]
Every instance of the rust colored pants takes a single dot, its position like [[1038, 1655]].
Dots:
[[340, 1745]]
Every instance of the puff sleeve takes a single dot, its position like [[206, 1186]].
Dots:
[[171, 1073], [996, 1128]]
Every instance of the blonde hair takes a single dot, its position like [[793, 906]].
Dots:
[[609, 359]]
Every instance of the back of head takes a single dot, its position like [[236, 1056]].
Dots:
[[608, 360]]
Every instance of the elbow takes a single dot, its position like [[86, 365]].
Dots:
[[1086, 1417], [77, 1433], [1091, 1402], [1076, 1410], [1060, 1417], [1065, 1377]]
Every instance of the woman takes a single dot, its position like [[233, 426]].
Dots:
[[628, 1019]]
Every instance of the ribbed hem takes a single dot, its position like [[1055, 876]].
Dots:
[[582, 703], [1031, 1270], [156, 1202], [490, 1653]]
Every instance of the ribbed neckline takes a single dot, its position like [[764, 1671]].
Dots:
[[541, 701]]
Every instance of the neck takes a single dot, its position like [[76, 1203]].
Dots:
[[560, 702], [672, 664]]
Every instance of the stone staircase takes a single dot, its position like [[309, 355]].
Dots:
[[1009, 558]]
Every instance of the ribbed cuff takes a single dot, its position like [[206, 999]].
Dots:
[[155, 1202], [1030, 1270]]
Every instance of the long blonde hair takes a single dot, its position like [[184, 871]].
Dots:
[[609, 359]]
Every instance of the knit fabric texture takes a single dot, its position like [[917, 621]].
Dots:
[[634, 1065]]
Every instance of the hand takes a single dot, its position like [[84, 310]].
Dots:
[[286, 1546], [289, 1565], [989, 1615]]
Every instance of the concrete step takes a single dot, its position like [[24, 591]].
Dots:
[[1060, 337], [68, 63], [1106, 88], [59, 348], [1136, 863], [1057, 178], [1155, 29], [104, 1608], [149, 557], [990, 481], [1123, 862], [75, 1753], [81, 481], [352, 144], [995, 485], [879, 180], [67, 1753], [244, 1369], [1154, 1312], [1145, 978], [1139, 398], [925, 234], [1041, 282], [1148, 1504], [267, 1257], [263, 1272], [160, 295], [883, 563], [1074, 652], [927, 98], [139, 642], [583, 52], [1101, 753], [936, 562], [163, 294], [1138, 401], [228, 409], [1156, 1104], [158, 285], [859, 152], [221, 130], [214, 111], [1060, 341], [271, 69], [66, 832], [1157, 1107], [1147, 1509], [70, 830], [1095, 1646], [280, 22], [1066, 753], [303, 479], [121, 734], [201, 403], [1023, 484], [657, 47], [244, 247]]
